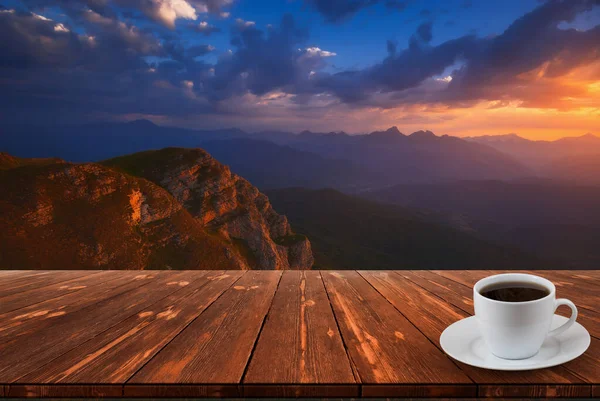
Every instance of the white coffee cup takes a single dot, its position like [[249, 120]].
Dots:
[[516, 330]]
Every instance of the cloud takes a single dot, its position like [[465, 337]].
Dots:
[[337, 10], [205, 28], [532, 50], [261, 61], [317, 52], [424, 32], [169, 11], [199, 50], [94, 61], [165, 12], [525, 63]]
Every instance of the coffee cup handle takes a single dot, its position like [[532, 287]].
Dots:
[[564, 327]]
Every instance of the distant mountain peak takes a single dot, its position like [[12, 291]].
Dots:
[[391, 134], [423, 134], [336, 133], [502, 138], [393, 130]]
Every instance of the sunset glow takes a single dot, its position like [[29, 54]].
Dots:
[[532, 69]]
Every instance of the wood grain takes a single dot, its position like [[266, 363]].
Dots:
[[216, 347], [26, 282], [63, 391], [6, 276], [116, 354], [428, 312], [411, 390], [42, 315], [302, 335], [535, 391], [450, 291], [301, 390], [24, 354], [384, 346], [263, 334], [40, 294], [182, 390]]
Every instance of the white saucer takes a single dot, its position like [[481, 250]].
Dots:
[[463, 342]]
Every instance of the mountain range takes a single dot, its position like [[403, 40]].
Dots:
[[351, 163], [573, 158], [403, 201]]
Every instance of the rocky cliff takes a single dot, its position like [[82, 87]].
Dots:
[[223, 203], [167, 209]]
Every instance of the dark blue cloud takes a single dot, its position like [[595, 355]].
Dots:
[[98, 63], [490, 66], [337, 10], [424, 31]]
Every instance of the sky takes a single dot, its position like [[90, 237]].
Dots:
[[456, 67]]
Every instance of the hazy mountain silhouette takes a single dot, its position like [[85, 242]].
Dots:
[[581, 169], [352, 233], [269, 166], [541, 155], [385, 157], [419, 157], [552, 219]]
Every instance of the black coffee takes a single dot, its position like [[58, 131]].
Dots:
[[514, 292]]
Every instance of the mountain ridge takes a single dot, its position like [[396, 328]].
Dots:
[[193, 213]]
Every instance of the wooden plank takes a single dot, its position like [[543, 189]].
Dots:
[[301, 334], [428, 312], [43, 314], [116, 354], [26, 283], [24, 354], [301, 390], [579, 276], [535, 391], [469, 279], [182, 390], [586, 292], [596, 391], [36, 295], [63, 391], [8, 276], [588, 364], [408, 390], [452, 292], [215, 348], [384, 346]]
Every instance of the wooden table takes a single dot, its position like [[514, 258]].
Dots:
[[262, 333]]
